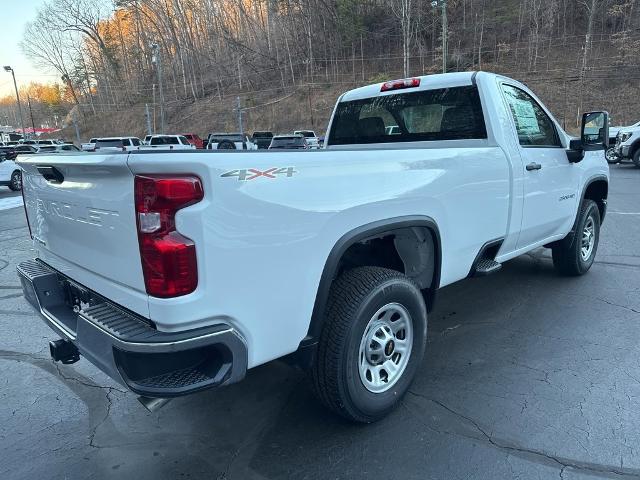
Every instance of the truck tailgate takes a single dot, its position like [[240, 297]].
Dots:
[[82, 217]]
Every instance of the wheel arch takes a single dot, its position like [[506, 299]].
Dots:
[[635, 145], [359, 234], [597, 189]]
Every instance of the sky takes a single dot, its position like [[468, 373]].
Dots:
[[15, 14]]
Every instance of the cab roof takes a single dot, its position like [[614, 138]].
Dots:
[[427, 82]]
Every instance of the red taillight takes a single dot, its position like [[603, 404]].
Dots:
[[168, 258], [400, 84]]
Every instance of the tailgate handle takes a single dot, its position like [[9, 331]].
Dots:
[[51, 174]]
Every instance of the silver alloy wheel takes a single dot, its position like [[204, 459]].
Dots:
[[588, 239], [610, 155], [16, 180], [385, 348]]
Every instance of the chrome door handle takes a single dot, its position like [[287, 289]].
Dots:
[[533, 166]]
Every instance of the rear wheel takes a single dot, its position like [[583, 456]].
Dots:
[[16, 181], [372, 343], [574, 255], [636, 158]]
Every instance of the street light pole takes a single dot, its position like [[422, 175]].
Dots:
[[157, 60], [7, 68]]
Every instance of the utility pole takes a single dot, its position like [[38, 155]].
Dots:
[[445, 41], [74, 118], [310, 107], [7, 68], [154, 108], [33, 125], [156, 59], [239, 109], [443, 5], [148, 118]]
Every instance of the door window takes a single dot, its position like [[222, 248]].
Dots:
[[533, 125]]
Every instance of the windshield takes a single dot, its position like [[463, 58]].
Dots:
[[117, 143], [164, 140], [305, 133], [442, 114], [218, 138], [283, 142]]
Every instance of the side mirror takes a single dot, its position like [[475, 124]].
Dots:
[[594, 132]]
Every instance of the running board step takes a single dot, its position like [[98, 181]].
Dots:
[[486, 266]]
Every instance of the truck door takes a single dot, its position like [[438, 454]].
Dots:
[[550, 181]]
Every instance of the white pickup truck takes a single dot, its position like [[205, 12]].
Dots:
[[177, 275], [627, 145], [167, 142]]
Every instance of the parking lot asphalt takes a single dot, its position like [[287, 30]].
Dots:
[[527, 375]]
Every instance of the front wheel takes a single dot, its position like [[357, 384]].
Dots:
[[574, 255], [610, 155], [372, 343], [636, 158], [16, 181]]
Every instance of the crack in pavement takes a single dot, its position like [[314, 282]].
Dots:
[[51, 367], [86, 384], [603, 300], [593, 468]]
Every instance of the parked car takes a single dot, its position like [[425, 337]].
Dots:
[[174, 274], [194, 139], [288, 142], [48, 142], [229, 141], [26, 149], [89, 146], [168, 142], [310, 136], [262, 139], [112, 144], [10, 173], [8, 153]]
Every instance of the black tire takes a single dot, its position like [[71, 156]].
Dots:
[[226, 145], [611, 157], [636, 158], [354, 298], [16, 181], [567, 254]]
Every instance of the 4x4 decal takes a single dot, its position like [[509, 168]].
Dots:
[[253, 173]]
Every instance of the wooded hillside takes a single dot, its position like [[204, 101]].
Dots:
[[297, 55]]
